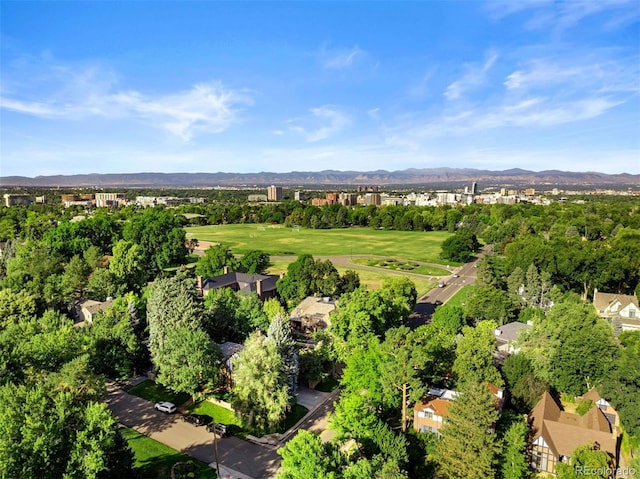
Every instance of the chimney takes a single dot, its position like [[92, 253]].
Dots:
[[199, 279], [225, 269], [259, 288]]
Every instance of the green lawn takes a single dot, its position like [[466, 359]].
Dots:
[[402, 266], [218, 413], [277, 240], [372, 279], [328, 385], [154, 460], [153, 392], [459, 299], [297, 413], [227, 416]]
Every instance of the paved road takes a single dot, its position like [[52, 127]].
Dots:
[[426, 305], [250, 459]]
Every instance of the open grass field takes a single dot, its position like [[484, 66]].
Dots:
[[372, 279], [154, 460], [277, 240]]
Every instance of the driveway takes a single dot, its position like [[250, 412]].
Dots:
[[250, 460]]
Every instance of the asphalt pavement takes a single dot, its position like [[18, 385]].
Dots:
[[426, 305], [250, 460]]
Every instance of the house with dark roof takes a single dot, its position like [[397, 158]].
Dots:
[[264, 285], [430, 414], [555, 434], [623, 307]]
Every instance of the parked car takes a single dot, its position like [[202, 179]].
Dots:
[[165, 406], [222, 430], [197, 419]]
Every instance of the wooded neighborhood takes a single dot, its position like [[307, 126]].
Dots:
[[532, 367]]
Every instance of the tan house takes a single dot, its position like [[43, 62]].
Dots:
[[621, 306], [430, 413], [555, 434], [312, 315], [86, 310]]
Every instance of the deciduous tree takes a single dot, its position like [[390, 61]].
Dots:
[[260, 389], [474, 355]]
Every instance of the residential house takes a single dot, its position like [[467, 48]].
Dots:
[[557, 433], [430, 413], [229, 352], [312, 315], [87, 309], [607, 409], [264, 285], [622, 307], [507, 335]]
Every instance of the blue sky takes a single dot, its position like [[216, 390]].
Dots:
[[115, 87]]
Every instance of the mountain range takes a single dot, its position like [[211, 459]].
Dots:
[[412, 176]]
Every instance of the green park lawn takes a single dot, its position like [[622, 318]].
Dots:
[[153, 392], [153, 460], [401, 266], [277, 240], [371, 279]]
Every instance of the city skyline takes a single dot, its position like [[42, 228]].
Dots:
[[249, 87]]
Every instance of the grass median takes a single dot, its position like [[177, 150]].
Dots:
[[154, 460]]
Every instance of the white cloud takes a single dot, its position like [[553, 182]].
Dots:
[[475, 76], [374, 113], [340, 59], [325, 121], [205, 107], [561, 16]]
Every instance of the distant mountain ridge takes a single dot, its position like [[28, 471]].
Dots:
[[411, 176]]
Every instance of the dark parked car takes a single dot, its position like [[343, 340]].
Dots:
[[197, 419], [222, 430]]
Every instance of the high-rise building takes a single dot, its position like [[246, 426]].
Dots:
[[299, 196], [474, 188], [274, 193]]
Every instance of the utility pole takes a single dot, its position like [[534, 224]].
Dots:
[[215, 448]]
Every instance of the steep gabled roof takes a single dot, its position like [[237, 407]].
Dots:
[[601, 301], [564, 431], [439, 406]]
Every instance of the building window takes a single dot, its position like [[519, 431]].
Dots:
[[539, 460], [428, 414], [632, 313]]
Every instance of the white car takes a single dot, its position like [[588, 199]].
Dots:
[[441, 285], [165, 406]]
